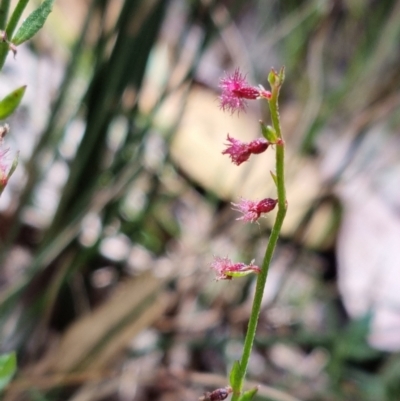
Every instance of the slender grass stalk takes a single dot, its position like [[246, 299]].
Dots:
[[15, 17], [4, 7], [262, 277]]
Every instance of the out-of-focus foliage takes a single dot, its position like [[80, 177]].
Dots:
[[8, 366], [105, 290], [11, 102], [33, 23]]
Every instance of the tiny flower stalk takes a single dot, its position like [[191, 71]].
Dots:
[[235, 94], [225, 269]]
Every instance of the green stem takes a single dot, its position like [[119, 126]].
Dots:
[[12, 24], [3, 53], [4, 7], [15, 17], [273, 239]]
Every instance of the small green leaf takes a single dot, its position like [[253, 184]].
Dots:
[[13, 166], [235, 376], [268, 133], [33, 23], [249, 394], [11, 102], [273, 175], [282, 74], [8, 366]]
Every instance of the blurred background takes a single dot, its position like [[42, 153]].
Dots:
[[122, 197]]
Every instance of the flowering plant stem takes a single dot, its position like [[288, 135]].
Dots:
[[273, 239]]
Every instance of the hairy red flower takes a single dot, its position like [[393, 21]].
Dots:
[[235, 91], [252, 210], [240, 152]]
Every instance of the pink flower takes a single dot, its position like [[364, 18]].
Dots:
[[226, 269], [7, 168], [235, 91], [4, 165], [252, 209], [240, 152]]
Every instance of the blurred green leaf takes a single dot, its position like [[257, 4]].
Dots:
[[11, 102], [33, 23], [249, 394], [8, 366], [352, 343], [372, 386], [391, 377]]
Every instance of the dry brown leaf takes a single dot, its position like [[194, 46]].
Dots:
[[98, 337]]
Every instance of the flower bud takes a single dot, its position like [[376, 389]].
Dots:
[[269, 133], [252, 210], [276, 79], [239, 151], [219, 394]]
